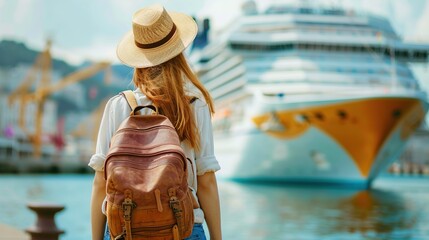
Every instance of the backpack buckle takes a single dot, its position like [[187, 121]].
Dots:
[[127, 207], [174, 204]]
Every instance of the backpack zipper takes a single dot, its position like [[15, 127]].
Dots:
[[148, 166], [144, 129], [143, 154], [143, 229], [132, 154]]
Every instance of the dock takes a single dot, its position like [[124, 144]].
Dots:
[[415, 158], [11, 233], [43, 165]]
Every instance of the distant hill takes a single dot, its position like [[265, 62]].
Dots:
[[13, 53], [123, 71]]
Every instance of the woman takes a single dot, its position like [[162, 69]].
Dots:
[[162, 76]]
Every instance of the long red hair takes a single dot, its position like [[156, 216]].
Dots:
[[164, 84]]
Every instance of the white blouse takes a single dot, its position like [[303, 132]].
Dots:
[[117, 110]]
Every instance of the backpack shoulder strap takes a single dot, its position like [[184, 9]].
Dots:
[[131, 99]]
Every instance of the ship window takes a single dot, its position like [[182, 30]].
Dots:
[[319, 116], [261, 47], [306, 10], [303, 118], [420, 55], [378, 50], [386, 51], [396, 113], [342, 114], [407, 54]]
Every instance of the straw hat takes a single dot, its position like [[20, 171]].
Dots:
[[157, 37]]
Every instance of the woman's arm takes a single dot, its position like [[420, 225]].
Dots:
[[98, 220], [209, 201]]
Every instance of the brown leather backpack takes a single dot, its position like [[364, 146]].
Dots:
[[146, 176]]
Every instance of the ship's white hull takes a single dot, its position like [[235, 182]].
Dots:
[[316, 154]]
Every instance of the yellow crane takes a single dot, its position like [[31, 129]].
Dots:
[[41, 94], [42, 64], [45, 89]]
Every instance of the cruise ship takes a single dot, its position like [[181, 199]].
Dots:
[[310, 95]]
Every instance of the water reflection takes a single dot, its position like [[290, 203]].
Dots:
[[376, 212], [35, 191], [273, 212]]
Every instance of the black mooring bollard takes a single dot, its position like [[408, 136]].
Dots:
[[45, 227]]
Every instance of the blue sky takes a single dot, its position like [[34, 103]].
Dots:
[[90, 29]]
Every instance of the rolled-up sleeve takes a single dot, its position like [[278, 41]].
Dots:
[[205, 159], [105, 132]]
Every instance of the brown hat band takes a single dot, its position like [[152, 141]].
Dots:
[[158, 43]]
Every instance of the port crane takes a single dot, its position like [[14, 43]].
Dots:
[[44, 89], [42, 64]]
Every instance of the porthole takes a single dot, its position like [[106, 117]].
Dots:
[[396, 113], [342, 114], [319, 116]]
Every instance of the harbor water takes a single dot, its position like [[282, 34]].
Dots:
[[396, 208]]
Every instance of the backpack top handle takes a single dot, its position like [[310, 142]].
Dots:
[[132, 103], [138, 108]]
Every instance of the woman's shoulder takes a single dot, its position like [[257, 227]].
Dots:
[[116, 101], [118, 106], [201, 109], [199, 102]]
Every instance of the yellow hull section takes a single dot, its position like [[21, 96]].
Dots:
[[360, 126]]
